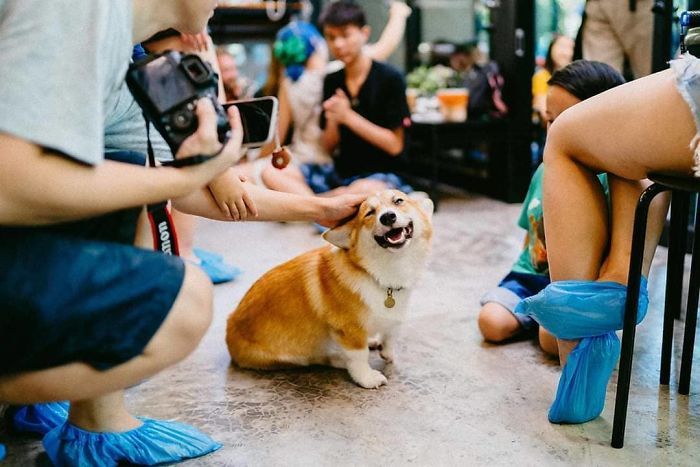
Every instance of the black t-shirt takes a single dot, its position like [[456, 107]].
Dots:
[[381, 100]]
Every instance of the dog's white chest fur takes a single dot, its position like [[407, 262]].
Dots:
[[381, 318]]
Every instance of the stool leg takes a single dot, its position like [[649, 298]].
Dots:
[[674, 277], [691, 314], [631, 304]]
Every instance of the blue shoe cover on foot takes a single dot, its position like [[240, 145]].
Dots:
[[576, 309], [218, 271], [207, 255], [154, 442], [40, 418], [584, 380], [592, 312], [2, 451]]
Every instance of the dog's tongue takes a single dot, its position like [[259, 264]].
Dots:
[[395, 235]]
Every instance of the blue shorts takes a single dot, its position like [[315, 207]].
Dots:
[[515, 287], [79, 292], [323, 177]]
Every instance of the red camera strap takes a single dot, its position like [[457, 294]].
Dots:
[[162, 227]]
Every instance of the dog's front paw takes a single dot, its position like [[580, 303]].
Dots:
[[370, 379], [387, 355]]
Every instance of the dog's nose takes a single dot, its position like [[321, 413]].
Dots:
[[388, 218]]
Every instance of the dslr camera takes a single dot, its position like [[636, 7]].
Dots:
[[690, 32], [167, 87]]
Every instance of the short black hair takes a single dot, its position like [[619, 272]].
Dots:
[[586, 78], [343, 13]]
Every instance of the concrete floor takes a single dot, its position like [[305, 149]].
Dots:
[[451, 398]]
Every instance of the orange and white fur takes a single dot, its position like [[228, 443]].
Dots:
[[324, 306]]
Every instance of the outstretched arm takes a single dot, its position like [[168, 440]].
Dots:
[[393, 32], [275, 206], [39, 187]]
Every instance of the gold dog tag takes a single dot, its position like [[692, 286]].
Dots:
[[389, 302]]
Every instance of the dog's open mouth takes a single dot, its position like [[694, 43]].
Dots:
[[395, 238]]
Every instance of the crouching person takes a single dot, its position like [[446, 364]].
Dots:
[[83, 313]]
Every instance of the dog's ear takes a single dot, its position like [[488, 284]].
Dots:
[[340, 236], [427, 205]]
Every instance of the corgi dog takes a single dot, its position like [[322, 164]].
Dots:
[[325, 306]]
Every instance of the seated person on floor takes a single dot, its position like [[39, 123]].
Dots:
[[530, 273], [365, 112], [300, 48]]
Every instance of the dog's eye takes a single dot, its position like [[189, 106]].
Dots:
[[370, 213], [398, 201]]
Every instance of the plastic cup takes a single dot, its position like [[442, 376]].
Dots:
[[453, 103]]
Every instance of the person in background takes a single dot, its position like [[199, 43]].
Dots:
[[365, 112], [530, 273], [302, 52], [616, 31], [235, 86], [559, 54]]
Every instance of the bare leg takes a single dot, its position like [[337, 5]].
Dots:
[[185, 226], [652, 129], [548, 342], [290, 180], [104, 413], [144, 236], [362, 186], [624, 196], [177, 337], [497, 323]]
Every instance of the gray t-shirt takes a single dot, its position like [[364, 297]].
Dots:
[[62, 67], [125, 128]]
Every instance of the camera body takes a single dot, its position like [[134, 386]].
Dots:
[[167, 87], [690, 32]]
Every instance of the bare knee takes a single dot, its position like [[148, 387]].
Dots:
[[496, 323], [366, 186], [188, 320], [557, 136]]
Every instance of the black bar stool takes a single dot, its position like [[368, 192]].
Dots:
[[681, 186]]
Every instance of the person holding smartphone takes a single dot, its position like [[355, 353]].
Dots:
[[88, 313], [83, 314]]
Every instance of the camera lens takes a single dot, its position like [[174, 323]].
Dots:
[[182, 119]]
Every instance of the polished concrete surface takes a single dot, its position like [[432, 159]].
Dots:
[[451, 398]]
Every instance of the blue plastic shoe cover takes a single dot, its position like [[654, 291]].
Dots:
[[592, 312], [218, 271], [576, 309], [2, 451], [584, 380], [207, 255], [40, 418], [154, 442]]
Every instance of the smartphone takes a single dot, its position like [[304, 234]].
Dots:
[[259, 120]]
